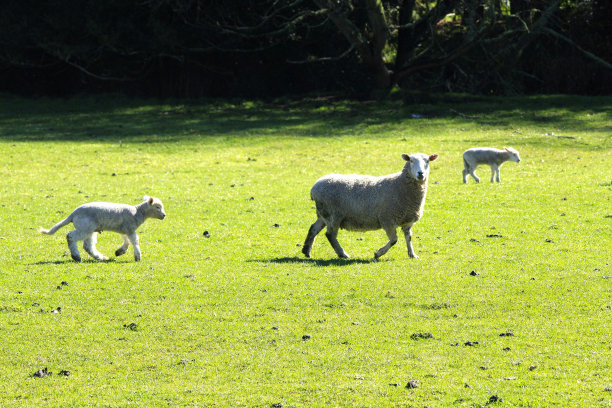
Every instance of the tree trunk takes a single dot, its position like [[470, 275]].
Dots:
[[405, 35], [518, 6], [380, 36], [369, 50]]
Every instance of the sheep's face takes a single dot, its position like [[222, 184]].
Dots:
[[417, 165], [514, 155], [156, 208]]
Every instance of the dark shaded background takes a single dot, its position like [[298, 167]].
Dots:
[[263, 48]]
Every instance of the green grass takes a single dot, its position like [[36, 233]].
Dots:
[[219, 321]]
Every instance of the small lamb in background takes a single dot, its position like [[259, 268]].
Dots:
[[486, 155], [366, 203], [91, 218]]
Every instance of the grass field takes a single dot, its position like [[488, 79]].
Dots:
[[239, 318]]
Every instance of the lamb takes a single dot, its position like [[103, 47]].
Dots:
[[367, 203], [486, 155], [91, 218]]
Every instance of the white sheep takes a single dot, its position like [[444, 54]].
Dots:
[[486, 155], [91, 218], [366, 203]]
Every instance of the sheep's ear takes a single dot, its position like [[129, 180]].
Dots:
[[506, 149], [150, 200], [145, 198], [405, 157], [433, 157]]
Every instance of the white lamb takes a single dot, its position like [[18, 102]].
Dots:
[[486, 155], [91, 218], [366, 203]]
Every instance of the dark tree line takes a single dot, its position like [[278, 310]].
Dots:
[[261, 48]]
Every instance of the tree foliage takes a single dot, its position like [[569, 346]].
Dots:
[[274, 47]]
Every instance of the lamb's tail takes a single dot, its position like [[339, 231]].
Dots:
[[57, 226], [466, 165]]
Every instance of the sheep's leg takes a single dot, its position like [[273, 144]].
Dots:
[[136, 244], [408, 236], [465, 173], [89, 244], [497, 173], [123, 248], [73, 237], [392, 234], [331, 234], [315, 228]]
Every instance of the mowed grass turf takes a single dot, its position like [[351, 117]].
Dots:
[[513, 283]]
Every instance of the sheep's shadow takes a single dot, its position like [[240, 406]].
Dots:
[[318, 262]]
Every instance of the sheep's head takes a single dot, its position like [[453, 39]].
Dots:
[[417, 165], [514, 155], [155, 208]]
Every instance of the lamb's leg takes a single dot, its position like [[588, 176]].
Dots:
[[392, 234], [315, 228], [465, 173], [497, 173], [123, 248], [494, 169], [135, 244], [473, 174], [408, 236], [331, 234], [73, 237], [89, 244]]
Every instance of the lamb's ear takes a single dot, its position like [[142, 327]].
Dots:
[[150, 200], [146, 198], [433, 157], [506, 149], [405, 157]]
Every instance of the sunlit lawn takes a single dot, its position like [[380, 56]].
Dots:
[[238, 317]]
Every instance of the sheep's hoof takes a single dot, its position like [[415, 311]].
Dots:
[[306, 252], [119, 252], [76, 258]]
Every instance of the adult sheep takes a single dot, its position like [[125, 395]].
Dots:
[[366, 203]]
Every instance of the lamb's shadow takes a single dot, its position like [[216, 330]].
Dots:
[[70, 261], [317, 262]]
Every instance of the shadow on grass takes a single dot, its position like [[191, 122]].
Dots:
[[65, 261], [114, 119], [70, 261], [317, 262]]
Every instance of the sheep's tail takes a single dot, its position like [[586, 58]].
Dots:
[[57, 226], [466, 166]]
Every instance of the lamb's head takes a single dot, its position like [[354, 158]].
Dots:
[[154, 208], [514, 155], [417, 165]]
